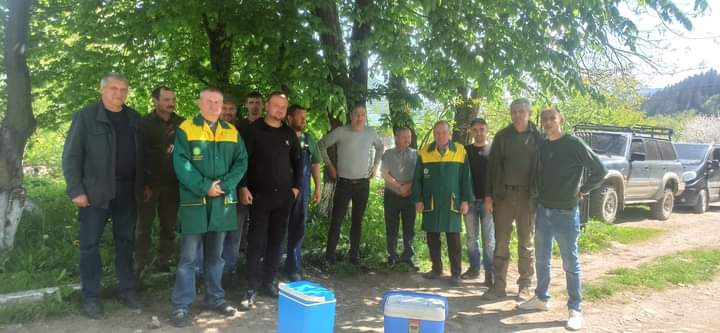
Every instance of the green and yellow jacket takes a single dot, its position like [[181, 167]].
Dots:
[[199, 158], [441, 183]]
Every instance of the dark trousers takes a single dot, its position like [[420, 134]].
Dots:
[[454, 251], [268, 224], [395, 208], [122, 211], [164, 203], [346, 190]]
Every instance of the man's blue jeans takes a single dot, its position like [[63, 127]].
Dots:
[[475, 220], [564, 226], [231, 249], [184, 293]]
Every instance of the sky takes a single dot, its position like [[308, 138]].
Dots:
[[677, 52]]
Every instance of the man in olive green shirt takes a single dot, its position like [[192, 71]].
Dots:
[[562, 160], [161, 186], [511, 197]]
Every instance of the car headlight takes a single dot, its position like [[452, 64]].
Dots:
[[689, 175]]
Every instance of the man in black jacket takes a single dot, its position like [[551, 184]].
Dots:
[[103, 167], [271, 186]]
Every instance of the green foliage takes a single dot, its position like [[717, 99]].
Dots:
[[437, 46], [46, 248], [687, 267]]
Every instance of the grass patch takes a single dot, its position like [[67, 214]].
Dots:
[[687, 267], [598, 236]]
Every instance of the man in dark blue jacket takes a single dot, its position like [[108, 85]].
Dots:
[[103, 167]]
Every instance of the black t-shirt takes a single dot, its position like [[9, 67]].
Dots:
[[478, 157], [274, 157], [125, 145]]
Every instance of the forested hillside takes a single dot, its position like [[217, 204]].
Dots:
[[699, 93]]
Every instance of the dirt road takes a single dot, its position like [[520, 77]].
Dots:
[[684, 309]]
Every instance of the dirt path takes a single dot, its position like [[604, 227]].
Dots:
[[687, 309]]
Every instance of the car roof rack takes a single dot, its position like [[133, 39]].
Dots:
[[638, 130]]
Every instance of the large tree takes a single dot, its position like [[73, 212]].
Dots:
[[18, 122]]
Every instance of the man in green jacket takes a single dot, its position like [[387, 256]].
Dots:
[[441, 190], [209, 160], [161, 185], [511, 195]]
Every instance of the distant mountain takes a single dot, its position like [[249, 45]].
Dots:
[[693, 93], [647, 92]]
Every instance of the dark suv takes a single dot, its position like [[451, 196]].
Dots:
[[701, 173], [643, 168]]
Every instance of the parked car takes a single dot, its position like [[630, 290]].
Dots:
[[643, 168], [701, 173]]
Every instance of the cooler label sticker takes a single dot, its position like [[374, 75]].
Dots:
[[413, 326]]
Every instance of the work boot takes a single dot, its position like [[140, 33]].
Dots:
[[493, 294], [524, 293], [470, 274]]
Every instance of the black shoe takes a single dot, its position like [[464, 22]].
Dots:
[[470, 274], [432, 275], [488, 279], [455, 281], [411, 263], [180, 318], [295, 277], [225, 309], [131, 300], [92, 308], [249, 301], [270, 289]]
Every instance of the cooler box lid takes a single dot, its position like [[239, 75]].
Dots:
[[415, 307], [308, 291]]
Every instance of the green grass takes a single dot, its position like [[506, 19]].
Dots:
[[687, 267], [598, 236]]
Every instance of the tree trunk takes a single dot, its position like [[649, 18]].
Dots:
[[333, 48], [18, 124], [221, 47], [358, 89], [464, 114]]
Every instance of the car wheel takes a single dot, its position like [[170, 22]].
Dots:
[[604, 204], [662, 209], [702, 202]]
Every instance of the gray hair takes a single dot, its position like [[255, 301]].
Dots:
[[113, 76], [441, 122], [520, 101]]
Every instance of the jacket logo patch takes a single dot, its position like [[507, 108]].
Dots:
[[197, 154], [287, 142]]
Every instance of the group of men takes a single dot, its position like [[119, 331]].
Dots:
[[220, 181]]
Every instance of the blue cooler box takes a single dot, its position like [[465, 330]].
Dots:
[[305, 307], [411, 312]]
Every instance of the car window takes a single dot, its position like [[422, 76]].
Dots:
[[716, 154], [652, 152], [666, 151], [637, 146]]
